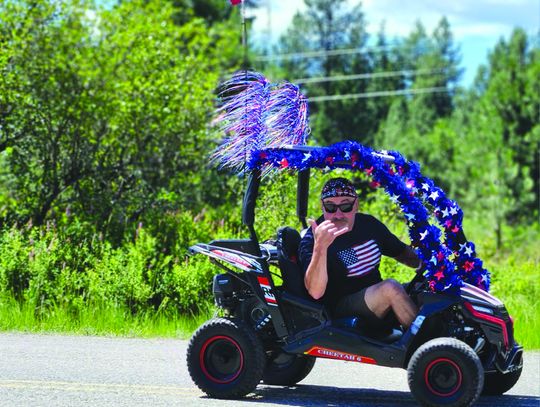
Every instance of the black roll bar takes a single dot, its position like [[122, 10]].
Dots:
[[248, 208], [302, 196]]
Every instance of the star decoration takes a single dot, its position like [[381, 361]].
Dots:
[[409, 216], [468, 265], [439, 275], [434, 195], [433, 260], [307, 156], [394, 198], [453, 210], [445, 213], [468, 250], [423, 234], [425, 187]]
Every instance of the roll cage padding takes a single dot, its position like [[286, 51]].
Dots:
[[288, 242]]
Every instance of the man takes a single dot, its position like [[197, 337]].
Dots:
[[340, 256]]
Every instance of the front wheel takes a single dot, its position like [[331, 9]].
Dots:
[[225, 358], [445, 371], [285, 369], [498, 383]]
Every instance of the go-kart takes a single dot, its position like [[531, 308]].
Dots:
[[460, 345]]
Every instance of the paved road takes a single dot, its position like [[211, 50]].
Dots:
[[53, 370]]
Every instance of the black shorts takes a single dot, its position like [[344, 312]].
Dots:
[[355, 305]]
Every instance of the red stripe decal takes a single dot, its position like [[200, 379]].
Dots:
[[491, 319]]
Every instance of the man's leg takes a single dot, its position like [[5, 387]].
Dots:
[[389, 294]]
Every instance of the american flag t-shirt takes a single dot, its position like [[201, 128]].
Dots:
[[360, 259]]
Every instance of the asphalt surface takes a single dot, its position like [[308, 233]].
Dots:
[[54, 370]]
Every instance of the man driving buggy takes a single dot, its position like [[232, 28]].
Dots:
[[340, 256]]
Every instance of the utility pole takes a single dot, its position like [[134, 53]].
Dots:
[[269, 27]]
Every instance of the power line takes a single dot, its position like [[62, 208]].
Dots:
[[385, 74], [314, 54], [400, 92], [330, 52]]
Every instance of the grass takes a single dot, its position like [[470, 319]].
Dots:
[[517, 286], [98, 320], [514, 268]]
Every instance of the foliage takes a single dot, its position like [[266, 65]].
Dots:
[[104, 111], [61, 267], [104, 132]]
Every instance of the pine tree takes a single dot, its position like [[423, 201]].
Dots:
[[327, 26]]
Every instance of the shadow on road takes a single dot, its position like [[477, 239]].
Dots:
[[311, 395]]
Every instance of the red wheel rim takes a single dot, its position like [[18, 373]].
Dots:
[[221, 359], [443, 377]]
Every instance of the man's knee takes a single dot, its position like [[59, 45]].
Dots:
[[392, 288]]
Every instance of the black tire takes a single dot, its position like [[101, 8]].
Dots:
[[498, 383], [225, 358], [445, 372], [287, 369]]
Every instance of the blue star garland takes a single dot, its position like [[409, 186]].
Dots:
[[447, 264]]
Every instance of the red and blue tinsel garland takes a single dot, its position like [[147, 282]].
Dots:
[[447, 264]]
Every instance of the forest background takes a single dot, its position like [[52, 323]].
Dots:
[[105, 131]]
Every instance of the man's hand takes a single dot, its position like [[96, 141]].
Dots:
[[326, 232], [409, 258]]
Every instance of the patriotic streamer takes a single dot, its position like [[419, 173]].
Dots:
[[256, 114]]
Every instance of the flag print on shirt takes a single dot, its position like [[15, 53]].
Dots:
[[360, 259]]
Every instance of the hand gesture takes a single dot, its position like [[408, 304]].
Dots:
[[326, 232]]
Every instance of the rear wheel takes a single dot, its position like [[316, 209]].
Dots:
[[498, 383], [225, 358], [286, 369], [445, 371]]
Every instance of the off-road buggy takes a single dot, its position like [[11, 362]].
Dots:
[[460, 345]]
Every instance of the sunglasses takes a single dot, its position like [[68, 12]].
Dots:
[[344, 207]]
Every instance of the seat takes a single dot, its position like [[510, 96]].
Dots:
[[288, 242]]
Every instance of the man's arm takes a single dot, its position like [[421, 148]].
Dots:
[[409, 258], [316, 277]]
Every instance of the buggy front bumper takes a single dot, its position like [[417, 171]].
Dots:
[[509, 362]]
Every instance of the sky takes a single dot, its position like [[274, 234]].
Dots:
[[477, 25]]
